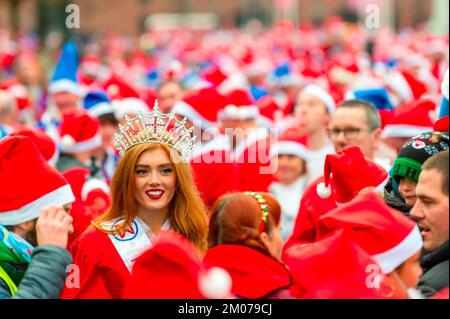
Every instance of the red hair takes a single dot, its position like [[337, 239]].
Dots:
[[236, 219]]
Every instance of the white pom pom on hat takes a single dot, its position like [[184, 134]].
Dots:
[[215, 283], [67, 141], [323, 191]]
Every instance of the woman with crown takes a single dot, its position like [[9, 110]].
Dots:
[[152, 189]]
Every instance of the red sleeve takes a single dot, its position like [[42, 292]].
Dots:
[[86, 263]]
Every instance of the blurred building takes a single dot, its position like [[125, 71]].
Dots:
[[128, 17]]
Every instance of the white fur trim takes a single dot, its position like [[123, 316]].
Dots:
[[397, 255], [85, 146], [186, 110], [101, 109], [66, 86], [240, 113], [323, 95], [289, 148], [129, 106], [60, 196], [399, 130], [91, 184]]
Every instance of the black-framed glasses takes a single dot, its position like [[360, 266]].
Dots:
[[350, 133]]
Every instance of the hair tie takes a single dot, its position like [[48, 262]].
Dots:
[[263, 206]]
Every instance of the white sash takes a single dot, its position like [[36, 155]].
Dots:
[[134, 242]]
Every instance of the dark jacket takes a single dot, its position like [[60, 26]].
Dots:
[[45, 276], [395, 201], [435, 271]]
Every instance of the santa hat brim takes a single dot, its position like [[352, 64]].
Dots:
[[60, 196], [85, 146], [399, 130], [66, 86], [101, 109], [239, 113], [394, 257], [184, 109]]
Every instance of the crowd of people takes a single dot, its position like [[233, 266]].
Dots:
[[292, 162]]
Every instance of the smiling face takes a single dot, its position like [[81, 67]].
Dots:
[[155, 182], [289, 168]]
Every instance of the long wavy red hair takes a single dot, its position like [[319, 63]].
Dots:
[[187, 212]]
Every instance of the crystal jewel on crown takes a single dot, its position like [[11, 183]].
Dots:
[[155, 127]]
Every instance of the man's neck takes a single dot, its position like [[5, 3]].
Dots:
[[318, 140]]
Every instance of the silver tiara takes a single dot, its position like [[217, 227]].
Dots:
[[155, 127]]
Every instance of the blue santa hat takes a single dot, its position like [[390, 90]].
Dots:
[[377, 96], [283, 76], [65, 75], [98, 103]]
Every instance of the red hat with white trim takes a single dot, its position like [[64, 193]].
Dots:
[[332, 267], [18, 91], [20, 204], [406, 85], [241, 106], [411, 119], [172, 269], [43, 141], [291, 142], [129, 106], [201, 105], [80, 132], [322, 95], [83, 186], [348, 172], [387, 235]]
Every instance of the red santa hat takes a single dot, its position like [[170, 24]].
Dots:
[[172, 269], [19, 203], [387, 235], [85, 188], [117, 88], [291, 142], [322, 95], [270, 112], [346, 279], [240, 106], [411, 119], [129, 106], [80, 132], [201, 105], [215, 75], [351, 172], [406, 85], [18, 91], [441, 125], [43, 141]]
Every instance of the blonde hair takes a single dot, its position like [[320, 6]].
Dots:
[[187, 212]]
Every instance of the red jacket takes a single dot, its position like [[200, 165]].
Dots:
[[254, 274], [102, 272]]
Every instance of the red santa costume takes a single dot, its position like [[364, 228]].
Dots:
[[210, 160], [351, 173], [105, 261], [251, 154]]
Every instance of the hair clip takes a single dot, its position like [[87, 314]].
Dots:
[[263, 206]]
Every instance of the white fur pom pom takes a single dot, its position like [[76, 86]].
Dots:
[[215, 283], [323, 191], [67, 142]]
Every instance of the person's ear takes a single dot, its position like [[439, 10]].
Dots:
[[264, 238], [377, 135]]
